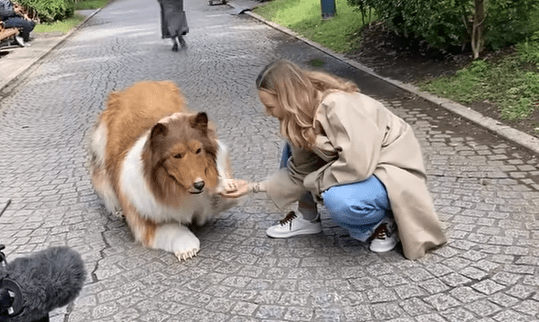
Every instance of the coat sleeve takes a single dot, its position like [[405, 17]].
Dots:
[[283, 189], [286, 185], [352, 132]]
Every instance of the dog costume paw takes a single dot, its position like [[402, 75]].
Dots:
[[177, 239], [185, 255], [186, 245]]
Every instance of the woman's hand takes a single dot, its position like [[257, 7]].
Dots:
[[235, 188]]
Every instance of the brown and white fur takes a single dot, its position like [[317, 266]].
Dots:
[[160, 164]]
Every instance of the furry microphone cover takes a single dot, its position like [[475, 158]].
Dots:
[[48, 279]]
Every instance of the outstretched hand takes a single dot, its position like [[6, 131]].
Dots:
[[235, 188]]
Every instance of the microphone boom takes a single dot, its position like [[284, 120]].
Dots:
[[48, 279]]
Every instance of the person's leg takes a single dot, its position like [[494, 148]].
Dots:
[[360, 208], [306, 204], [24, 25], [174, 43], [292, 225], [308, 207]]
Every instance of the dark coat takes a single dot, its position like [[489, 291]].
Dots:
[[173, 19], [6, 10]]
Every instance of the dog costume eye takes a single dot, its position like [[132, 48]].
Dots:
[[178, 156], [199, 150]]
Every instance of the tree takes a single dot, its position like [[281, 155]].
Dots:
[[478, 35]]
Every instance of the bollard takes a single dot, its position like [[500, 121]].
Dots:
[[328, 8]]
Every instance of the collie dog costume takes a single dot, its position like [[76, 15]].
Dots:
[[160, 164]]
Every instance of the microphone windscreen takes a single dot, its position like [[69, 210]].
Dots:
[[49, 279]]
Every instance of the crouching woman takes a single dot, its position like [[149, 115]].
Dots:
[[348, 152]]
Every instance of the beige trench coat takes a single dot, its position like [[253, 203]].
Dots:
[[360, 138]]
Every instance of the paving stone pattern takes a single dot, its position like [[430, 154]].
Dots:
[[486, 191]]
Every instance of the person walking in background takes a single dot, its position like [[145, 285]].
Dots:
[[347, 151], [173, 22], [14, 19]]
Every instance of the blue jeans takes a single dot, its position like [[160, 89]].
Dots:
[[358, 207], [22, 24]]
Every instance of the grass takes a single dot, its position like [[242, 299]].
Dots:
[[340, 33], [66, 25], [60, 26], [511, 84], [90, 4]]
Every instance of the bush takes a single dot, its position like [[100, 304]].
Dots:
[[445, 24], [529, 50], [438, 22], [50, 10], [510, 21]]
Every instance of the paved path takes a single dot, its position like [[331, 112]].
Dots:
[[486, 191]]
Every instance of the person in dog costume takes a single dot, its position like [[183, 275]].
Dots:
[[350, 153]]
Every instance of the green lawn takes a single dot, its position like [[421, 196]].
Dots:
[[60, 26], [511, 84], [339, 33], [90, 4], [67, 24]]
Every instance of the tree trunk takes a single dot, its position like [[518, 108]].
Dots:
[[478, 29]]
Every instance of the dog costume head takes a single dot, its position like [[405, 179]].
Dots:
[[183, 148]]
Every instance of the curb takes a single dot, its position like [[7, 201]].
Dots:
[[24, 67], [518, 137]]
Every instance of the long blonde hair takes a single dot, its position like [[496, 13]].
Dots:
[[299, 91]]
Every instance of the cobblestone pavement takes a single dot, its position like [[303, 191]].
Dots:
[[486, 191]]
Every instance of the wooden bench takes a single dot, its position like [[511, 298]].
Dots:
[[6, 33]]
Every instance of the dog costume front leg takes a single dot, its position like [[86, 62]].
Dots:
[[171, 237], [176, 238]]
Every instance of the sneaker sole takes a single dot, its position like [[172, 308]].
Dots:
[[383, 250], [294, 233]]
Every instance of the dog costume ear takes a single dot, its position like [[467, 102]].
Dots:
[[159, 131], [200, 121]]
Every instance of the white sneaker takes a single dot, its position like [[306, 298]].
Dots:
[[292, 225], [20, 41], [385, 237]]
